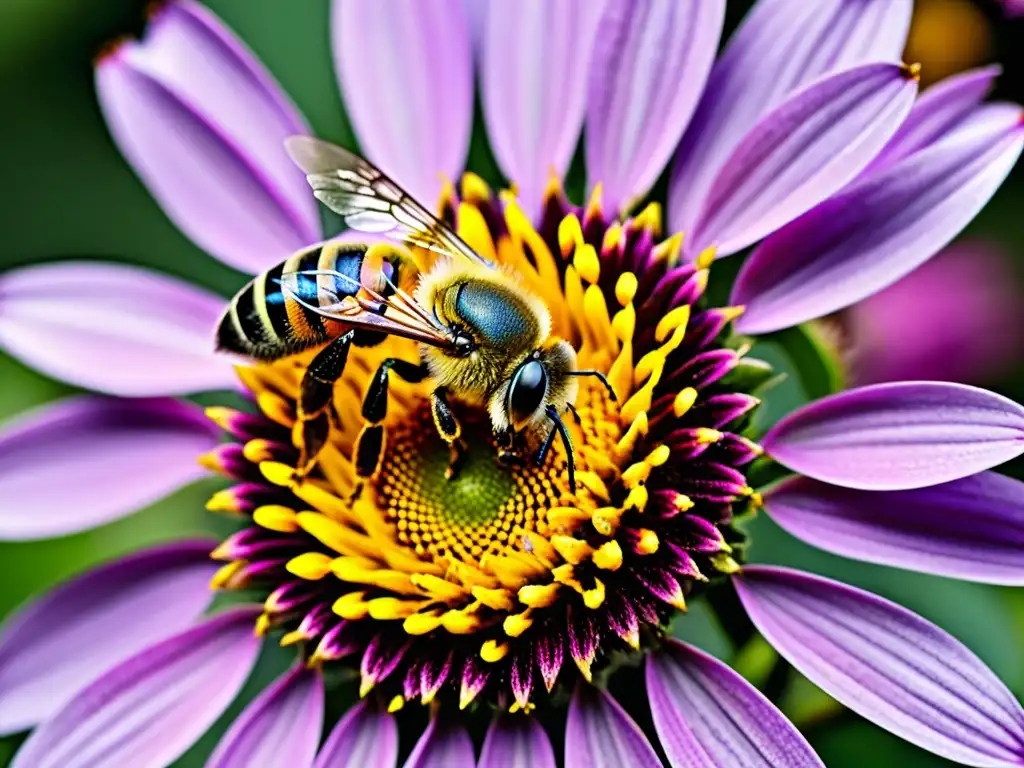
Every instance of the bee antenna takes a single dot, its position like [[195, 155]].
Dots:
[[567, 442], [600, 377]]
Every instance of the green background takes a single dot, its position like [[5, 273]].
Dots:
[[67, 193]]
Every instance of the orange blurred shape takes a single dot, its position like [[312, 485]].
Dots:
[[948, 36]]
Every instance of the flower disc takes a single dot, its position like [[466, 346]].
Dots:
[[496, 578]]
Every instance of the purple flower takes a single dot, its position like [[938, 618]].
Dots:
[[1013, 7], [805, 139], [957, 315]]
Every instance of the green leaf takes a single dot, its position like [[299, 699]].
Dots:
[[857, 743], [755, 660], [700, 627], [817, 364]]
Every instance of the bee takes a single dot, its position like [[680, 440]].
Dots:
[[483, 338]]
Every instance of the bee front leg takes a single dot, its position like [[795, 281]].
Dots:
[[448, 428], [370, 444], [315, 396]]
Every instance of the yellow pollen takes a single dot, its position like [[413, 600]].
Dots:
[[608, 556], [312, 566], [587, 263], [625, 288], [648, 543], [492, 651], [275, 518]]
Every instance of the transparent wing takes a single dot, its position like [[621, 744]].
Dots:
[[395, 315], [369, 201]]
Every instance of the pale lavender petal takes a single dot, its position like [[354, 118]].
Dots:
[[972, 528], [599, 734], [191, 51], [280, 727], [443, 744], [801, 153], [516, 742], [533, 77], [880, 228], [117, 329], [149, 709], [708, 716], [650, 62], [887, 664], [88, 460], [364, 738], [56, 645], [202, 123], [406, 73], [890, 437], [940, 109], [782, 46], [476, 18]]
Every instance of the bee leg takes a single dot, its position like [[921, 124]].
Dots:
[[370, 444], [315, 399], [575, 413], [448, 428], [543, 452], [567, 442]]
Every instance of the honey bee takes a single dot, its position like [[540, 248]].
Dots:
[[484, 339]]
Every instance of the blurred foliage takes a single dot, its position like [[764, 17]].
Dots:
[[67, 193]]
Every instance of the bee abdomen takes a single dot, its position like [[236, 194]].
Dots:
[[266, 322]]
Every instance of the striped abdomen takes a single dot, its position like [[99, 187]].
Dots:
[[267, 323]]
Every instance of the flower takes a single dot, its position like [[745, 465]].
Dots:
[[496, 588], [1013, 7], [957, 315]]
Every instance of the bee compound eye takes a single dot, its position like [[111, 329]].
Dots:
[[526, 392]]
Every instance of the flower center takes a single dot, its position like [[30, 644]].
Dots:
[[484, 509], [496, 578]]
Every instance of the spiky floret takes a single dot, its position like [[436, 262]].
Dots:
[[497, 582]]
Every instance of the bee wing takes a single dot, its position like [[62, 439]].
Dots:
[[369, 201], [395, 315]]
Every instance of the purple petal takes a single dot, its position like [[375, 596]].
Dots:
[[203, 123], [117, 329], [879, 229], [599, 734], [891, 437], [940, 110], [149, 709], [887, 664], [782, 46], [363, 738], [280, 727], [55, 646], [443, 744], [970, 529], [88, 460], [513, 741], [650, 63], [707, 715], [476, 17], [406, 72], [533, 104], [801, 153]]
